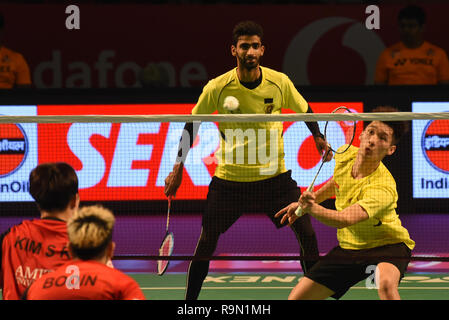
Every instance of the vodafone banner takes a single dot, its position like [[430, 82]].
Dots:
[[130, 161], [190, 44]]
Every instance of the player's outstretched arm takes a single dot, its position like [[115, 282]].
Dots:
[[327, 191], [288, 213], [307, 199], [338, 219], [174, 179], [320, 142]]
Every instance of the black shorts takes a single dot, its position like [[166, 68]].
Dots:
[[228, 200], [343, 268]]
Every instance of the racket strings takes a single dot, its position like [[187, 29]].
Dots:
[[348, 127], [167, 245]]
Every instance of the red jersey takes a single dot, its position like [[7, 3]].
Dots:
[[85, 280], [28, 251]]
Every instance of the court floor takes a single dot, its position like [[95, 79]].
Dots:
[[277, 286]]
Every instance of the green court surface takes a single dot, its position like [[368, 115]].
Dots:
[[277, 286]]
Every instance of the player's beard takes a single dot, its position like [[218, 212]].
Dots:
[[249, 65]]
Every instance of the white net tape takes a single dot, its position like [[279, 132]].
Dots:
[[381, 116]]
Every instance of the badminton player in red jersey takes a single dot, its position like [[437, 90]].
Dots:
[[87, 276], [35, 247]]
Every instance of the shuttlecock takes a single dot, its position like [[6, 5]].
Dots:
[[231, 103]]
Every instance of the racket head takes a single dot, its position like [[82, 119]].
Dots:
[[333, 129], [335, 140], [165, 250]]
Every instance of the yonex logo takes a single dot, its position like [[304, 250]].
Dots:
[[13, 148], [400, 62], [435, 144]]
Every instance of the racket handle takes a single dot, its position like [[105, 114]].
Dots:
[[168, 213], [300, 212]]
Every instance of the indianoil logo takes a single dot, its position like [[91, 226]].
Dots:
[[435, 144], [13, 148]]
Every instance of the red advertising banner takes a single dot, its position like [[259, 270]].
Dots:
[[190, 44], [101, 152], [130, 161]]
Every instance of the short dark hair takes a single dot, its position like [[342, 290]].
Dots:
[[413, 12], [53, 186], [246, 28], [400, 128]]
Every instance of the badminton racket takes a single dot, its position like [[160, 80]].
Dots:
[[166, 247], [349, 128]]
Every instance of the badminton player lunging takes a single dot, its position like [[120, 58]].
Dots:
[[252, 184], [369, 230]]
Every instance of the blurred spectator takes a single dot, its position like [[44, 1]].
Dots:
[[412, 61], [14, 70], [154, 76]]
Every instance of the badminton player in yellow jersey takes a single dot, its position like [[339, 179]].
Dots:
[[369, 230], [251, 173]]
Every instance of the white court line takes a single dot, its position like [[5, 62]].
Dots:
[[281, 288], [410, 288], [215, 288]]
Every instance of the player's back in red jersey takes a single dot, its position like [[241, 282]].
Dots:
[[85, 280], [30, 250]]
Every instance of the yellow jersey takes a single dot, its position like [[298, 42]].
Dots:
[[250, 151], [376, 193]]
